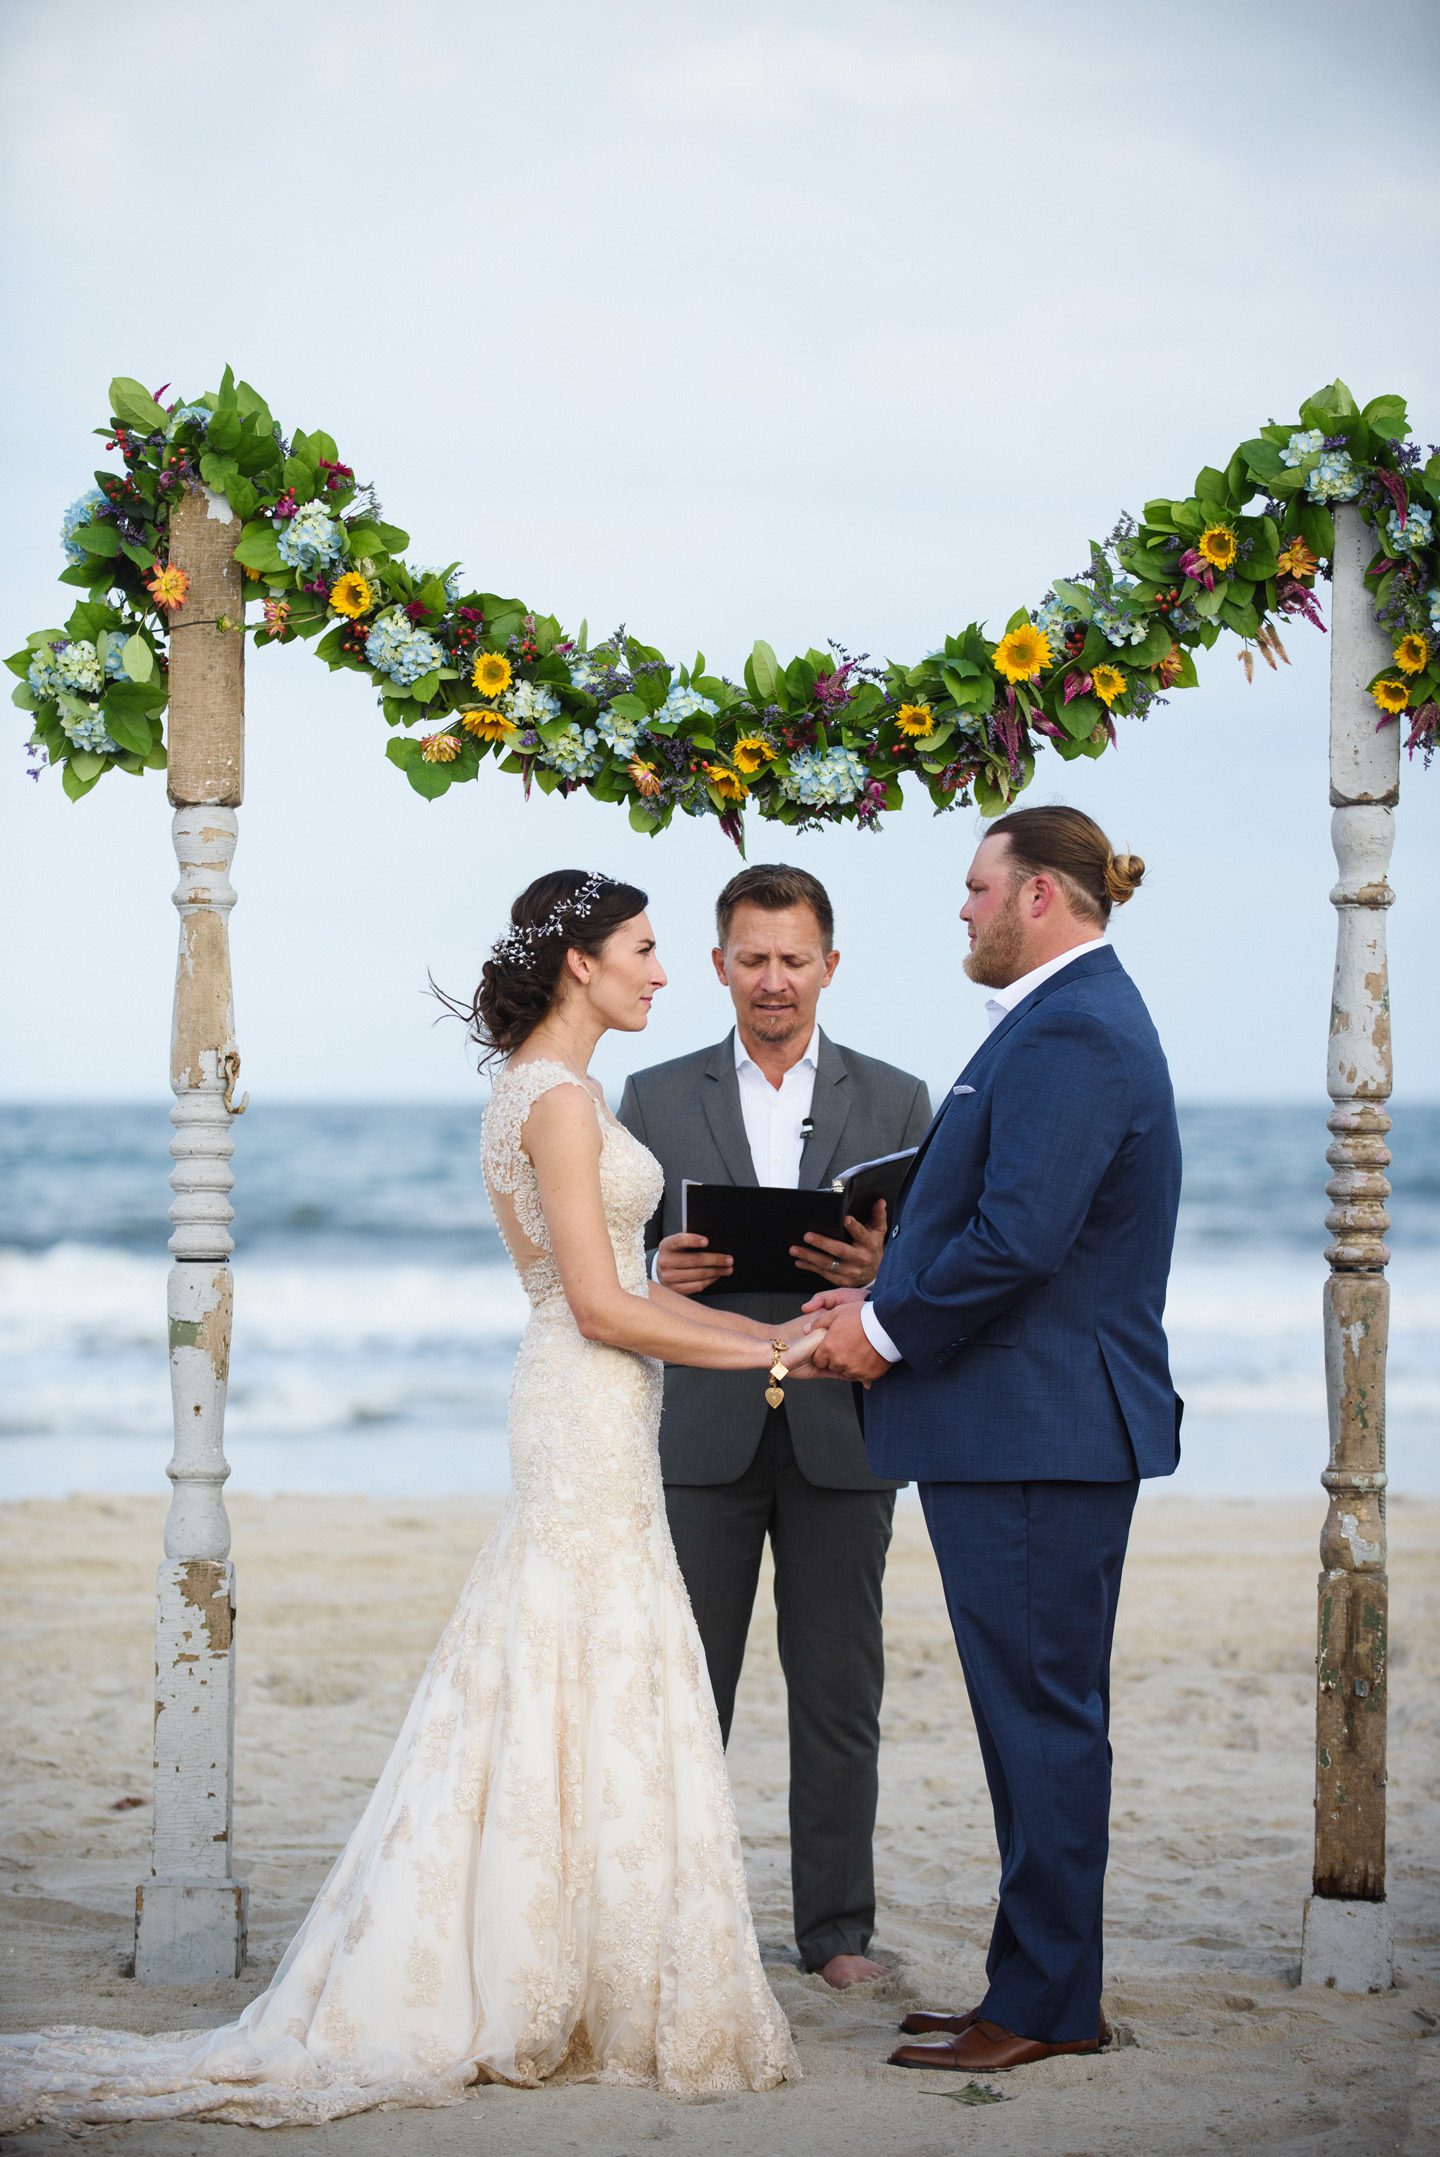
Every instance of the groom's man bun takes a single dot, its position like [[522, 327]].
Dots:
[[1070, 846]]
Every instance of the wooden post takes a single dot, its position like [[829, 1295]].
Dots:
[[1348, 1936], [190, 1914]]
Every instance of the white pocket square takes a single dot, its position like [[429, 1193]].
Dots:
[[962, 1089]]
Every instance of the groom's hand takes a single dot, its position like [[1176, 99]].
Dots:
[[846, 1351]]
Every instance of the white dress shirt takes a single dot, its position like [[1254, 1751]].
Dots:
[[997, 1007], [775, 1115]]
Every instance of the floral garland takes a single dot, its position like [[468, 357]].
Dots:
[[824, 739]]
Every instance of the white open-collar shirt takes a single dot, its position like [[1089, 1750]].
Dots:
[[998, 1006], [776, 1116]]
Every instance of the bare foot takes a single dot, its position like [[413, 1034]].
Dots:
[[843, 1970]]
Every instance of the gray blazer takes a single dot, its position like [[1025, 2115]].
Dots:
[[688, 1113]]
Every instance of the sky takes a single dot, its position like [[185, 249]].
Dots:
[[721, 321]]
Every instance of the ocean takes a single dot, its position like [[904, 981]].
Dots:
[[376, 1317]]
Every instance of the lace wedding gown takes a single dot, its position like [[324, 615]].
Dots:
[[546, 1883]]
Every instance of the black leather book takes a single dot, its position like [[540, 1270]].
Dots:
[[755, 1224]]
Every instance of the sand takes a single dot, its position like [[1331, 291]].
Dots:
[[1219, 2048]]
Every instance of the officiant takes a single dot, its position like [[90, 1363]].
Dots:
[[777, 1102]]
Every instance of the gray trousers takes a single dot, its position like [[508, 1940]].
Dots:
[[829, 1548]]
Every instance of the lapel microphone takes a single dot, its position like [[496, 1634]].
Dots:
[[807, 1128]]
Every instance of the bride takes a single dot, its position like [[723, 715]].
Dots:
[[546, 1882]]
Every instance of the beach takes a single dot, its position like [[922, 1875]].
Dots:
[[340, 1599]]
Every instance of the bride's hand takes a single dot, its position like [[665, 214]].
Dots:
[[799, 1350]]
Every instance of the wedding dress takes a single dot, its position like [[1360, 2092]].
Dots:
[[546, 1883]]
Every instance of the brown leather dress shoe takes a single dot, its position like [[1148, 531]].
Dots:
[[987, 2049], [924, 2021]]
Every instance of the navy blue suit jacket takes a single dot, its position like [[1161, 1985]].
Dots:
[[1024, 1282]]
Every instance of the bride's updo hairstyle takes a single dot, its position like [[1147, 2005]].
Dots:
[[568, 910], [1070, 846]]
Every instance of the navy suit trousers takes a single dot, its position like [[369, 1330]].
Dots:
[[1032, 1578]]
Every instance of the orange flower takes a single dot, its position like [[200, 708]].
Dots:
[[1168, 669], [1297, 561], [168, 586], [644, 777], [439, 748]]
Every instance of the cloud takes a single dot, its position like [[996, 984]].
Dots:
[[777, 74]]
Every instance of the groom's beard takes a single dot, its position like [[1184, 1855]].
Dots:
[[998, 956]]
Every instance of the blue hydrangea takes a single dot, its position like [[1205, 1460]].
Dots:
[[43, 676], [584, 674], [1432, 598], [115, 659], [820, 777], [1052, 620], [1302, 445], [1120, 629], [309, 540], [617, 732], [77, 667], [1334, 478], [529, 704], [397, 648], [81, 511], [575, 754], [685, 704], [198, 415], [1414, 534], [89, 733]]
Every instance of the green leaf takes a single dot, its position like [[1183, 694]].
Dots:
[[1080, 716], [1076, 596], [140, 556], [1210, 486], [394, 541], [137, 659], [1385, 416], [132, 404], [259, 548], [431, 780], [131, 734], [404, 750], [767, 672], [86, 764], [23, 695], [98, 539], [76, 786]]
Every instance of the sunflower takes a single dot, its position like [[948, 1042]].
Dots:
[[168, 586], [1298, 562], [353, 595], [1412, 654], [487, 725], [1218, 546], [915, 720], [491, 674], [750, 752], [1390, 695], [644, 776], [1023, 653], [1107, 683], [439, 748], [728, 784]]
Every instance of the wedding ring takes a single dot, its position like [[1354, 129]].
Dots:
[[834, 1265]]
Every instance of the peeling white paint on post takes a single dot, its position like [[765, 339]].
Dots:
[[1348, 1937], [190, 1915]]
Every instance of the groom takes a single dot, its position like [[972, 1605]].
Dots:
[[1016, 1324]]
